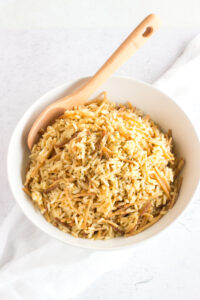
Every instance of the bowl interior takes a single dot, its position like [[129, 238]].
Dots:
[[162, 110]]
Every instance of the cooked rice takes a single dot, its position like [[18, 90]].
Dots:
[[102, 171]]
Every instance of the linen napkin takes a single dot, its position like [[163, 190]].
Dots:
[[34, 266]]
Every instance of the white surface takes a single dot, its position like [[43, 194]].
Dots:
[[150, 100], [31, 14], [33, 62]]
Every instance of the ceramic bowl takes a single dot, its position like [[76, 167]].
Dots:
[[162, 110]]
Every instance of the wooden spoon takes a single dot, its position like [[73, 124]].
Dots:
[[133, 42]]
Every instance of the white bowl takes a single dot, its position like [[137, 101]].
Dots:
[[161, 108]]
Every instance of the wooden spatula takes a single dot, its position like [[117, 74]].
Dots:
[[133, 42]]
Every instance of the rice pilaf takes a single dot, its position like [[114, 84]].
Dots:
[[103, 170]]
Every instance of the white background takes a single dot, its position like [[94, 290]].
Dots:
[[95, 13], [47, 42]]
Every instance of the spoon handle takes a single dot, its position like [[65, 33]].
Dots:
[[132, 43]]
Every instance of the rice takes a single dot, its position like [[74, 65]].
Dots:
[[102, 171]]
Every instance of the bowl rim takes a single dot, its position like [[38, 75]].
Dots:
[[76, 242]]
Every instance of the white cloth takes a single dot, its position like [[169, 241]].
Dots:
[[181, 82], [34, 266]]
